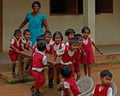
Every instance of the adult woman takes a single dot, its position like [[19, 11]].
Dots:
[[36, 20]]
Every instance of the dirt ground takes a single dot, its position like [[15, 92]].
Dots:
[[22, 89]]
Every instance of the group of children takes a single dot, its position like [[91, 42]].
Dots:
[[76, 50]]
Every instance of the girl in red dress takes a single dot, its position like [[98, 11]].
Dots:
[[104, 88], [38, 61], [69, 86], [48, 50], [58, 49], [88, 59], [69, 33], [15, 47]]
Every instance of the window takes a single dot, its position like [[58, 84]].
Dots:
[[74, 7], [66, 6], [104, 6]]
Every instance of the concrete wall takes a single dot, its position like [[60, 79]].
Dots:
[[107, 25]]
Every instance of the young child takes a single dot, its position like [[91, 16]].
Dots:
[[69, 87], [27, 44], [71, 57], [38, 61], [48, 50], [88, 59], [104, 88], [69, 33], [15, 47], [58, 49]]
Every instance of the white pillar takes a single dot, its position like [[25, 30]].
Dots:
[[89, 15]]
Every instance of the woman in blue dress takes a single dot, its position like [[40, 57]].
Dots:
[[37, 21]]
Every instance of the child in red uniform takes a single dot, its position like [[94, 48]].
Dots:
[[104, 88], [88, 59], [38, 61], [58, 49], [26, 45], [48, 50], [69, 87], [69, 33], [15, 47], [71, 57]]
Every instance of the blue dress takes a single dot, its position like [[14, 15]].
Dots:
[[35, 25]]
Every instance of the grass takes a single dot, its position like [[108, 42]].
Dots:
[[18, 81]]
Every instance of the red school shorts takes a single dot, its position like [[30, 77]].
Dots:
[[13, 56]]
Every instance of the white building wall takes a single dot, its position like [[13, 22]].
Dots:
[[107, 25]]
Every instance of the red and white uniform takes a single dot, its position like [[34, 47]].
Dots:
[[28, 42], [17, 44], [70, 83], [38, 61], [100, 91], [67, 44], [87, 46], [71, 58], [49, 47], [58, 49]]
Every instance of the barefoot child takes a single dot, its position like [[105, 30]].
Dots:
[[15, 47], [88, 59]]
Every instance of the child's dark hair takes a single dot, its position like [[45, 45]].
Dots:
[[41, 45], [36, 2], [66, 71], [69, 31], [17, 32], [77, 36], [40, 38], [73, 41], [57, 33], [106, 73], [84, 29], [25, 31], [47, 32]]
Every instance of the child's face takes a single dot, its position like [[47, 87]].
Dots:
[[73, 47], [80, 40], [47, 38], [106, 80], [57, 39], [27, 35], [86, 34], [71, 35], [18, 36]]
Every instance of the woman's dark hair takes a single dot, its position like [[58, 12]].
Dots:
[[84, 29], [36, 2], [73, 41], [77, 36], [66, 71], [47, 32], [25, 31], [17, 32], [57, 33], [106, 73], [69, 31], [41, 46], [40, 38]]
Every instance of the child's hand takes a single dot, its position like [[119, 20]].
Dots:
[[101, 52]]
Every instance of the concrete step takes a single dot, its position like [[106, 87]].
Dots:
[[7, 76]]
